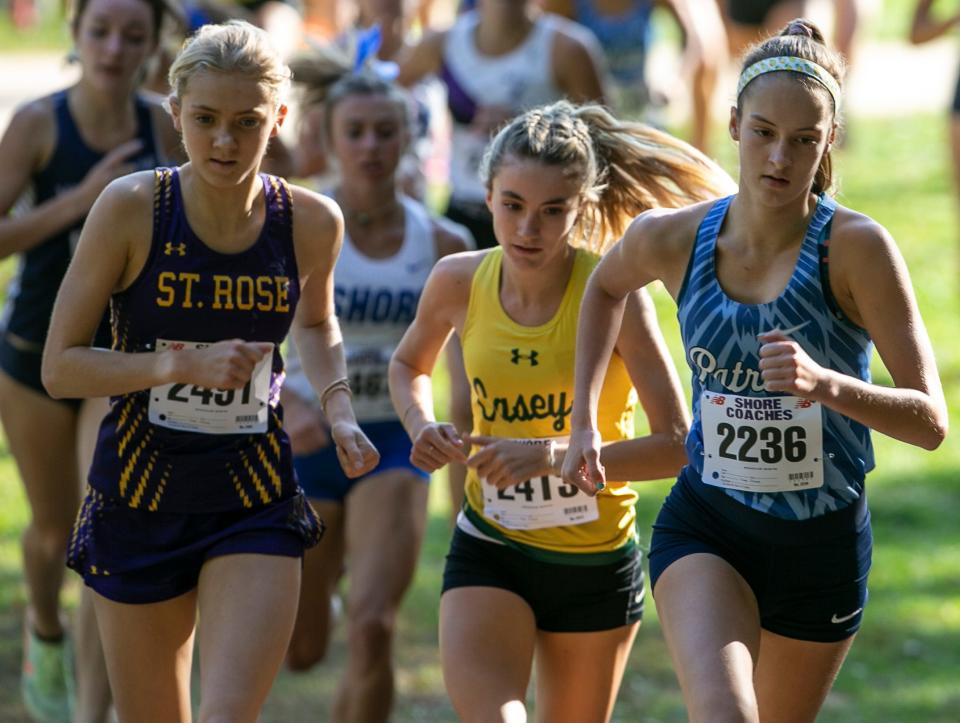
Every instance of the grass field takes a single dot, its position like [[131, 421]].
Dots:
[[906, 663]]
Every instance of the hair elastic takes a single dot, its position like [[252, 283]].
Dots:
[[796, 65]]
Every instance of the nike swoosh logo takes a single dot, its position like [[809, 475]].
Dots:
[[844, 619]]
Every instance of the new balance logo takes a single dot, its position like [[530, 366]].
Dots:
[[169, 249], [516, 356]]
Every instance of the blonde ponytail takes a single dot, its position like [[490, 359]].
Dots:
[[627, 168], [641, 168]]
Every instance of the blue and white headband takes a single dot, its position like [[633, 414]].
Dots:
[[796, 65]]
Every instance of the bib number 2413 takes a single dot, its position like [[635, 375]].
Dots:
[[537, 503]]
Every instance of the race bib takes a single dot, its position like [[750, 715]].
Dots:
[[367, 369], [761, 444], [191, 408], [539, 502]]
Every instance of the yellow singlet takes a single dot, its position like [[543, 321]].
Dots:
[[521, 386]]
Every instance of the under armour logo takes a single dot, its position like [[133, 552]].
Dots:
[[516, 356], [169, 248]]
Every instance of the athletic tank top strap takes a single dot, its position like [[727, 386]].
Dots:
[[165, 207], [70, 152], [279, 202], [700, 266], [420, 229], [67, 131], [145, 130]]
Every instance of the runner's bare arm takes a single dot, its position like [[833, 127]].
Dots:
[[442, 309], [452, 238], [422, 59], [318, 236], [643, 349], [652, 248], [118, 229], [871, 283], [924, 27]]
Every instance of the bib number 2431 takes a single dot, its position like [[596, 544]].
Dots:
[[192, 408]]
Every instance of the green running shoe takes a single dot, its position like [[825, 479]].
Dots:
[[44, 686]]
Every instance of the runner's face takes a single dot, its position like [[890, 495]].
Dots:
[[534, 207], [226, 121], [784, 129], [368, 136], [113, 39]]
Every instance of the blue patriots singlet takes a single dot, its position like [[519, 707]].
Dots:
[[722, 350], [189, 292]]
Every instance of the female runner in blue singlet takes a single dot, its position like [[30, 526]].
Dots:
[[760, 554], [193, 504], [58, 153]]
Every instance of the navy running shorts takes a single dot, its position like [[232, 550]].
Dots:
[[23, 366], [322, 477], [136, 556], [564, 598], [809, 576]]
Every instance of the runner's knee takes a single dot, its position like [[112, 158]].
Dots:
[[371, 631]]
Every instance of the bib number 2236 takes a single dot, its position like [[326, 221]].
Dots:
[[761, 444]]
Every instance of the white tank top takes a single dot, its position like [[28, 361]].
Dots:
[[519, 80], [376, 300]]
